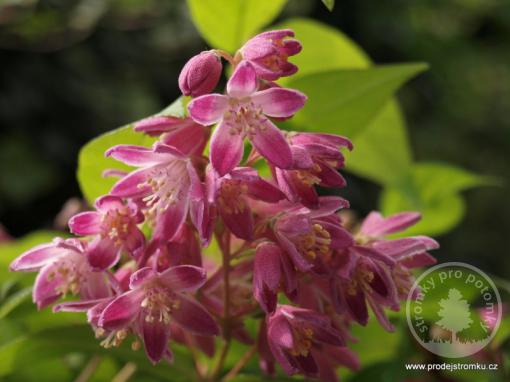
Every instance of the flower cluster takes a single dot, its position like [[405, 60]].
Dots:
[[290, 257]]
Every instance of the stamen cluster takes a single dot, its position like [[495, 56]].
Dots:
[[290, 257]]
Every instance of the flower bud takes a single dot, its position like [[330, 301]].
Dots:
[[268, 53], [201, 74]]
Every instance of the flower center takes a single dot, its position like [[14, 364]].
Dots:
[[243, 117], [72, 272], [231, 197], [158, 305], [315, 242], [168, 184], [302, 341], [309, 177], [115, 224]]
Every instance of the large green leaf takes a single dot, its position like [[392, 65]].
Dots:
[[432, 189], [381, 151], [382, 163], [92, 162], [227, 24], [346, 101]]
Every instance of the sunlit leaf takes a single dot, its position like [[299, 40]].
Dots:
[[330, 4], [227, 24], [346, 101], [382, 163], [432, 189]]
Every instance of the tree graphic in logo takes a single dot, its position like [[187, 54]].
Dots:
[[455, 314]]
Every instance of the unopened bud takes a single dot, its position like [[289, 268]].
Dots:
[[201, 74]]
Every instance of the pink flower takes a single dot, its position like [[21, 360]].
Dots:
[[63, 269], [166, 183], [184, 134], [243, 113], [309, 237], [229, 196], [296, 336], [200, 75], [316, 160], [268, 53], [114, 226], [376, 270], [154, 301], [272, 271]]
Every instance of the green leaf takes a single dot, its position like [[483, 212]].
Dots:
[[381, 151], [227, 24], [92, 162], [370, 159], [14, 301], [330, 4], [432, 189], [346, 101]]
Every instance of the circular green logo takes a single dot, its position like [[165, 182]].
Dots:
[[454, 310]]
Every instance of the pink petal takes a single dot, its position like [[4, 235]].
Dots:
[[239, 221], [375, 225], [103, 253], [266, 275], [271, 144], [279, 102], [37, 257], [157, 125], [77, 306], [183, 278], [372, 254], [85, 223], [142, 275], [262, 190], [381, 316], [193, 317], [243, 81], [208, 109], [122, 311], [169, 221], [226, 148], [109, 202], [45, 286], [137, 156], [129, 185], [155, 338]]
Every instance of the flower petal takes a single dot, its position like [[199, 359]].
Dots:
[[238, 220], [37, 257], [243, 81], [271, 144], [141, 276], [267, 273], [132, 185], [226, 148], [155, 338], [137, 156], [208, 109], [169, 221], [183, 278], [375, 225], [85, 223], [46, 285], [103, 253], [193, 317], [279, 102], [121, 311]]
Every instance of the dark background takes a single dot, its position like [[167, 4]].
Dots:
[[71, 70]]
